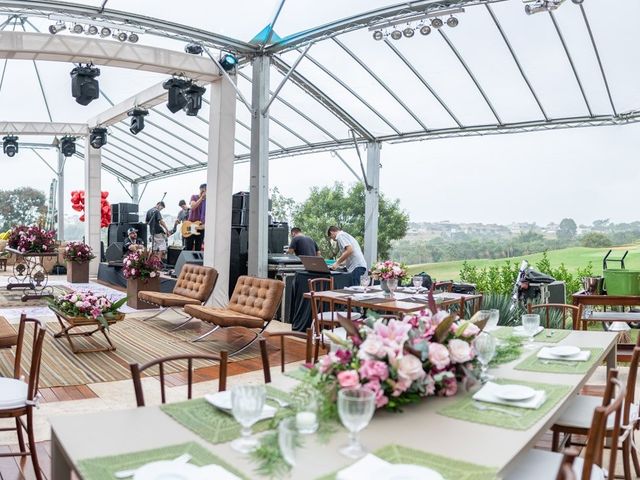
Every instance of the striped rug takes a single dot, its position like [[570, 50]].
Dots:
[[135, 341]]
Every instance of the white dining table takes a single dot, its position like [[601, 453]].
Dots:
[[419, 426]]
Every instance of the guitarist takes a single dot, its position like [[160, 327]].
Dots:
[[197, 214], [183, 215]]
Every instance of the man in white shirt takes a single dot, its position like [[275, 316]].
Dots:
[[350, 254]]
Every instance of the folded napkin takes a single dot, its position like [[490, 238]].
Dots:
[[488, 394], [365, 296], [368, 466], [218, 472], [519, 331], [545, 354], [355, 288]]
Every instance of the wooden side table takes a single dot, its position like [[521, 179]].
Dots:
[[30, 274]]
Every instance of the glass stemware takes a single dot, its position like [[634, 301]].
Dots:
[[365, 281], [288, 439], [494, 319], [485, 347], [417, 282], [530, 324], [355, 409], [392, 285], [247, 402]]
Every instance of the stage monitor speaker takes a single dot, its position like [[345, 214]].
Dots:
[[278, 237], [188, 257], [173, 253], [114, 252]]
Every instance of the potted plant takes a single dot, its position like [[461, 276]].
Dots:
[[142, 271], [389, 273], [81, 305], [78, 255], [32, 239]]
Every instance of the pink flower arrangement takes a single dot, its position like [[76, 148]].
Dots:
[[78, 252], [85, 303], [388, 270], [402, 360], [141, 264], [32, 239]]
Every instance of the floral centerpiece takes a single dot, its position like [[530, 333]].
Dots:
[[389, 273], [85, 303], [141, 264], [32, 239], [78, 252]]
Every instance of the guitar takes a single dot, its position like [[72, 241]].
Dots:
[[191, 228]]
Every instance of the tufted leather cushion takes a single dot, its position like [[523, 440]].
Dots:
[[258, 297], [196, 281], [167, 299], [223, 317], [8, 335]]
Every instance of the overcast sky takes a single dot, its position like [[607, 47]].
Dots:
[[586, 173]]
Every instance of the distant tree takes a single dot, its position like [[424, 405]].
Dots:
[[567, 230], [345, 208], [21, 206], [595, 240], [601, 225], [282, 208], [530, 236]]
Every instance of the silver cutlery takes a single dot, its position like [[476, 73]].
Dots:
[[483, 407], [279, 401], [567, 363], [184, 458]]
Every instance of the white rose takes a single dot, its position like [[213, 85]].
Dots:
[[410, 368], [153, 274], [371, 347], [460, 351]]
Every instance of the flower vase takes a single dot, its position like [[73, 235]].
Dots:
[[389, 286], [78, 272], [135, 285]]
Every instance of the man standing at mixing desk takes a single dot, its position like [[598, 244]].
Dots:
[[197, 213]]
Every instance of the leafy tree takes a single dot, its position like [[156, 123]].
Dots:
[[344, 208], [282, 208], [567, 230], [21, 206], [595, 240]]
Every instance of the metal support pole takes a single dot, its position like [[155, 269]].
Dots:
[[135, 193], [371, 196], [259, 170], [92, 202], [60, 222]]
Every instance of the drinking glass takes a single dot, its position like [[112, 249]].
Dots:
[[355, 409], [485, 347], [247, 402], [307, 416], [530, 323], [494, 318], [392, 285], [288, 439], [365, 280], [417, 282]]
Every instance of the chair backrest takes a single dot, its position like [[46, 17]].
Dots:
[[321, 284], [562, 310], [444, 286], [137, 370], [196, 281], [631, 386], [37, 342], [308, 337], [258, 297]]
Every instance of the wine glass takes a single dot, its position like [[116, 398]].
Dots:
[[417, 282], [247, 402], [530, 324], [288, 439], [494, 318], [392, 285], [485, 347], [365, 280], [355, 409]]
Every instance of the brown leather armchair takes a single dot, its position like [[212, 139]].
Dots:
[[194, 287], [253, 304]]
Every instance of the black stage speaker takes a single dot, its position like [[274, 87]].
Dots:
[[188, 256], [240, 201], [118, 232], [114, 252], [239, 217], [124, 213], [278, 237], [239, 255], [173, 253], [115, 213]]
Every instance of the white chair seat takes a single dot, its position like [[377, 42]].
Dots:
[[580, 412], [540, 464], [13, 393], [333, 316]]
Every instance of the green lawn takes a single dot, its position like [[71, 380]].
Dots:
[[573, 258]]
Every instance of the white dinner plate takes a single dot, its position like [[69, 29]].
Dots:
[[222, 401], [168, 470], [514, 393], [408, 472], [564, 351]]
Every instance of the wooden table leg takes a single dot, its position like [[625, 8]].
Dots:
[[612, 358]]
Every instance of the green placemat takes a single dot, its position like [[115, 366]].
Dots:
[[464, 409], [534, 364], [210, 423], [448, 468], [299, 373], [104, 468], [548, 335]]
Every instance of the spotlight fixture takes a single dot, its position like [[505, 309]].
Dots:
[[133, 38], [452, 22], [436, 23], [193, 48], [68, 145], [10, 145], [77, 28], [175, 96], [98, 137], [577, 2], [408, 32], [137, 119], [84, 86], [378, 35], [58, 27], [105, 32], [193, 95], [396, 34], [425, 30], [121, 36], [228, 61], [92, 30], [537, 6]]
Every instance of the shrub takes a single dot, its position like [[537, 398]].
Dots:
[[595, 240]]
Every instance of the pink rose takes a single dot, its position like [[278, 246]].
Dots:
[[371, 347], [374, 370], [471, 330], [375, 387], [348, 379], [450, 386], [325, 364], [344, 356], [439, 355], [410, 367], [459, 351]]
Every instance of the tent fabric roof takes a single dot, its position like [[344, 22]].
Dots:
[[499, 71]]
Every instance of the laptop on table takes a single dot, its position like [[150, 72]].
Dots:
[[317, 265]]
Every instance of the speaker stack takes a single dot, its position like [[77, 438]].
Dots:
[[123, 217], [240, 209]]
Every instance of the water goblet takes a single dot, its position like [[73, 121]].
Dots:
[[530, 324], [355, 409], [247, 402], [365, 281], [392, 285], [485, 348], [494, 318], [417, 282], [288, 439]]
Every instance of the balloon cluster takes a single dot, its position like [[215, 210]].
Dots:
[[77, 203]]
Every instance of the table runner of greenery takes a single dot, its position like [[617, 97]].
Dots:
[[548, 335], [450, 469], [534, 364], [104, 468], [465, 409], [212, 424]]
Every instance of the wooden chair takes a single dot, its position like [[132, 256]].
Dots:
[[252, 306], [445, 286], [573, 420], [545, 309], [18, 398], [539, 464], [264, 353], [137, 370], [566, 467]]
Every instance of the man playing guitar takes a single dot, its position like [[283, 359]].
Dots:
[[197, 214]]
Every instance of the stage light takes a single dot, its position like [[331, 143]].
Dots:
[[137, 119], [452, 22], [408, 32], [193, 48], [84, 86], [92, 30], [133, 37], [436, 23], [193, 94], [120, 36], [10, 145], [58, 27], [98, 137], [68, 146], [228, 62], [577, 2], [77, 28], [425, 30], [396, 34], [175, 96], [105, 32], [378, 35]]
